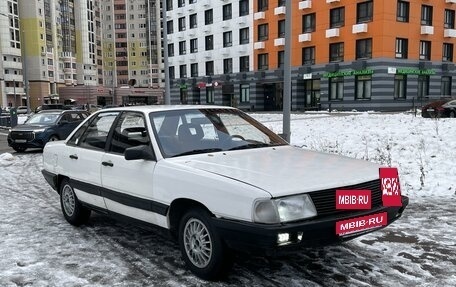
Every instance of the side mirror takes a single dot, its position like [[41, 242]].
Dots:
[[139, 152], [64, 122]]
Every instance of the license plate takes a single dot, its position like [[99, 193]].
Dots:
[[361, 224], [430, 110], [20, 141]]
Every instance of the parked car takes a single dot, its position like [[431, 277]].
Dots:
[[217, 179], [440, 109], [45, 126], [51, 107], [21, 110]]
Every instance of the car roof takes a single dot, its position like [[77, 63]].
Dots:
[[156, 108], [58, 111]]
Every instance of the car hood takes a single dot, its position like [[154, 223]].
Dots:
[[285, 170], [27, 127]]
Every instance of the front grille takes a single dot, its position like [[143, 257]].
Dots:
[[19, 135], [325, 200]]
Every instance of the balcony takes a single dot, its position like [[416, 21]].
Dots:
[[450, 1], [225, 24], [359, 28], [259, 16], [206, 3], [225, 51], [258, 45], [279, 42], [449, 33], [305, 4], [208, 54], [242, 20], [307, 37], [279, 10], [427, 30], [330, 33], [331, 1]]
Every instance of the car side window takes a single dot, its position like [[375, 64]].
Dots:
[[96, 133], [129, 131]]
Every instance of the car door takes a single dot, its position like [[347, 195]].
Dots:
[[127, 184], [82, 161]]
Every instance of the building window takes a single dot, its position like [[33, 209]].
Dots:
[[423, 86], [209, 42], [244, 64], [308, 56], [400, 86], [170, 27], [336, 52], [244, 36], [403, 11], [182, 48], [401, 48], [425, 50], [262, 5], [336, 89], [183, 71], [364, 49], [262, 32], [280, 59], [448, 21], [364, 12], [209, 68], [281, 3], [169, 5], [172, 75], [227, 39], [181, 23], [193, 45], [243, 7], [170, 50], [194, 69], [245, 93], [336, 17], [447, 55], [208, 17], [445, 86], [363, 89], [308, 23], [227, 12], [193, 21], [228, 66], [281, 29], [263, 61], [209, 95], [180, 3], [426, 15]]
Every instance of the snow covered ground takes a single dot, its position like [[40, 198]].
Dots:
[[39, 248]]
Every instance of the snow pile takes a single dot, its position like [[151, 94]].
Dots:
[[6, 159]]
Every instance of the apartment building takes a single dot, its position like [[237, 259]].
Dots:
[[345, 54], [89, 51]]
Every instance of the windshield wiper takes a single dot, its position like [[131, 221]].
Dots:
[[250, 145], [197, 151]]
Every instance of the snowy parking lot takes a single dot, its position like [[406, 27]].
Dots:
[[39, 248]]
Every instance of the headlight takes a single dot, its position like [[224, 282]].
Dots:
[[283, 209], [39, 130]]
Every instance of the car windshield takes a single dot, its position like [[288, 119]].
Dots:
[[192, 131], [43, 119]]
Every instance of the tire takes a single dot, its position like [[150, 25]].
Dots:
[[19, 149], [53, 138], [196, 233], [72, 209], [452, 114]]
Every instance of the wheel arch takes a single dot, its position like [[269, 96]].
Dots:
[[178, 208], [60, 178]]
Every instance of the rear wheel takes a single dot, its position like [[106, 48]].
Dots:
[[203, 251], [452, 114], [72, 209]]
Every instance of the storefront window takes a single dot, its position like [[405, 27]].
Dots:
[[423, 86], [363, 87], [445, 87], [245, 93], [336, 89], [209, 95], [400, 84]]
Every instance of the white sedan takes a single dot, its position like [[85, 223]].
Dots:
[[218, 181]]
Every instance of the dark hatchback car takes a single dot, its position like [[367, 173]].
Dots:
[[48, 125], [440, 109]]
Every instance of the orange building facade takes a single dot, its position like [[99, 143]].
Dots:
[[353, 54]]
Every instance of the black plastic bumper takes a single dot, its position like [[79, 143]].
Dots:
[[262, 239], [51, 178]]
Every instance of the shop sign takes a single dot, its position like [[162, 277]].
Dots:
[[348, 73], [411, 71]]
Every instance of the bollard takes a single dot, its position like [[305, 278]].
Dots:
[[13, 116]]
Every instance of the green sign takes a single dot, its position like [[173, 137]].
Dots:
[[411, 71], [348, 73]]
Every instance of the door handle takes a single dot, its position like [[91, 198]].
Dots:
[[73, 156], [107, 163]]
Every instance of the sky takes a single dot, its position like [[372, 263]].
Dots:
[[39, 248]]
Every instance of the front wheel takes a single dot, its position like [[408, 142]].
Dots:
[[452, 114], [19, 149], [202, 249], [72, 209]]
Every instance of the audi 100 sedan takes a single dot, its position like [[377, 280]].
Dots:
[[219, 181]]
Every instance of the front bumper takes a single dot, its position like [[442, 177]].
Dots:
[[38, 141], [262, 239]]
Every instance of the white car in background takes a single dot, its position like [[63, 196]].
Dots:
[[216, 179]]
